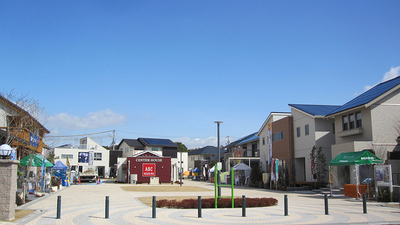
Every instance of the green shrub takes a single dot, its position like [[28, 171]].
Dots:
[[210, 203]]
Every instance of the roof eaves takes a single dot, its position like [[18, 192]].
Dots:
[[382, 96], [302, 111], [270, 116]]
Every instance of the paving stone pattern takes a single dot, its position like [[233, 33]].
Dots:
[[85, 204]]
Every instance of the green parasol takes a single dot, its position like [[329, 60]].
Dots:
[[37, 161]]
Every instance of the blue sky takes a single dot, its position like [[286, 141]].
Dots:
[[169, 69]]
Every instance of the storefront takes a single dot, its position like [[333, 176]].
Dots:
[[148, 167]]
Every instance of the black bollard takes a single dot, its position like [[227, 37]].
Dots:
[[199, 206], [58, 207], [326, 205], [107, 207], [286, 205], [154, 206], [364, 203], [243, 205]]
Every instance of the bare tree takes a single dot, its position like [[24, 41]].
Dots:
[[20, 126]]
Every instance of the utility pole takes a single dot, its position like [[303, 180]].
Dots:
[[113, 141], [228, 142]]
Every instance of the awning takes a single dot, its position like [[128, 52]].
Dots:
[[60, 166], [355, 158], [37, 161]]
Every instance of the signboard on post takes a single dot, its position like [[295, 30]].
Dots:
[[383, 177], [219, 165], [149, 170]]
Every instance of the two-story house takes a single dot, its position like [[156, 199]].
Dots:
[[20, 130], [244, 150], [266, 138], [160, 147], [202, 155], [311, 128], [87, 153], [371, 121]]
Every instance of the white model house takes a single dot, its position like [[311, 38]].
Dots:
[[88, 153]]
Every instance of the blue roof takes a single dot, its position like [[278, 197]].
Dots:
[[234, 143], [316, 110], [369, 95], [208, 150], [250, 138]]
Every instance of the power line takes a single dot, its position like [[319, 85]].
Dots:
[[79, 135]]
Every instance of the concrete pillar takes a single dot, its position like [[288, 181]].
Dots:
[[8, 188]]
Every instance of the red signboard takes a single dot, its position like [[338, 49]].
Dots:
[[149, 169]]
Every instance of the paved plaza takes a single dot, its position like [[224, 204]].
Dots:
[[85, 204]]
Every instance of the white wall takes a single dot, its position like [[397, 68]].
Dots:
[[105, 156], [263, 133]]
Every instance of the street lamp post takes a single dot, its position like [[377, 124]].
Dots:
[[180, 170], [219, 159], [219, 156]]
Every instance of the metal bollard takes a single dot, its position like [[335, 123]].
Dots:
[[58, 207], [107, 207], [243, 206], [154, 207], [286, 205], [199, 206], [364, 203], [326, 205]]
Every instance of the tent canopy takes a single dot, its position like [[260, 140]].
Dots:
[[241, 166], [60, 166], [355, 158], [196, 170], [212, 170], [37, 161]]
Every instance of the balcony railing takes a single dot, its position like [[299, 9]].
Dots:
[[22, 137], [251, 153]]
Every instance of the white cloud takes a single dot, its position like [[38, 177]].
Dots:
[[392, 73], [192, 143], [94, 120]]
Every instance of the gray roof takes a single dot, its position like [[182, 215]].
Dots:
[[208, 150]]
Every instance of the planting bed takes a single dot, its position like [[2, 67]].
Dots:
[[191, 203]]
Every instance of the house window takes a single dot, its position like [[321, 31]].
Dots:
[[278, 136], [263, 140], [154, 148], [345, 123], [358, 119], [298, 131], [351, 121], [307, 130], [97, 156], [64, 156]]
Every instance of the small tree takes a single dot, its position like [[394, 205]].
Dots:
[[256, 175], [321, 166], [293, 173], [318, 165]]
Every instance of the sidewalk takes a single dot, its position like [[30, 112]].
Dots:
[[85, 204]]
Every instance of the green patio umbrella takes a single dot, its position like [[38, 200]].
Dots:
[[37, 161]]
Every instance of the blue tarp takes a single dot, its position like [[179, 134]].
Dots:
[[60, 166]]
